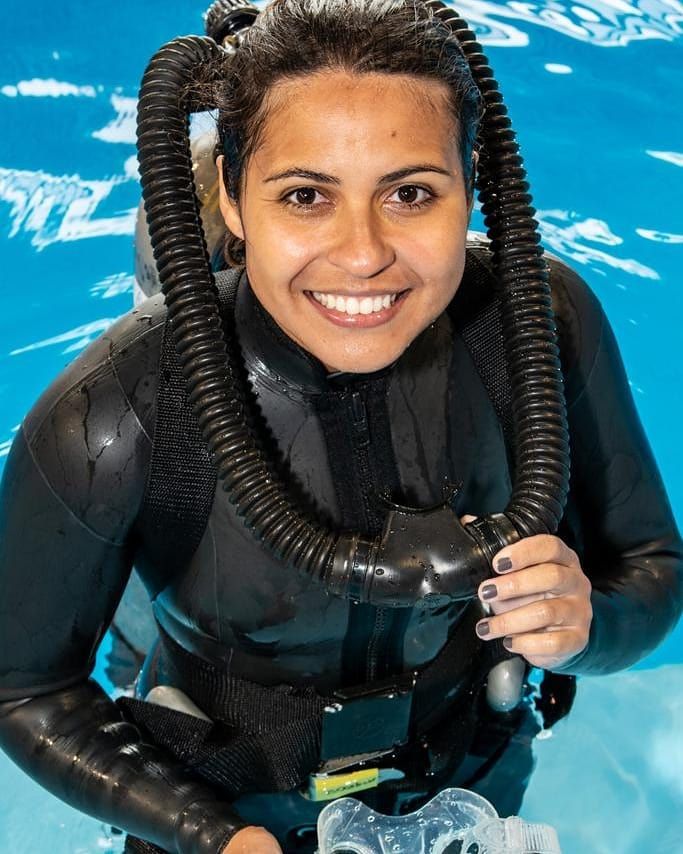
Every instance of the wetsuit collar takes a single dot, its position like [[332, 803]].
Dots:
[[271, 354]]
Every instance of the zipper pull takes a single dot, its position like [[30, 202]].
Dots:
[[358, 409]]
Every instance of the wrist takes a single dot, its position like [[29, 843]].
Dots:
[[206, 827]]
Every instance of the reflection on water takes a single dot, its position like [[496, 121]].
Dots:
[[5, 446], [572, 237], [51, 88], [121, 128], [675, 157], [659, 236], [113, 286], [61, 208], [607, 23], [79, 337], [558, 68]]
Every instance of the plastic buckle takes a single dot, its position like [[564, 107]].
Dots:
[[368, 719], [360, 732]]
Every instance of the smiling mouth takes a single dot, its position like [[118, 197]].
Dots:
[[352, 306]]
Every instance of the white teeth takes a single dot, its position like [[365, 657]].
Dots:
[[355, 305]]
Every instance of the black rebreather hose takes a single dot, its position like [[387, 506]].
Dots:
[[420, 553]]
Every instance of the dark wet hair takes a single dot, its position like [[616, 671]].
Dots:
[[293, 38]]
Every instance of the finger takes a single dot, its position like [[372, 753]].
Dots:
[[550, 645], [542, 548], [552, 578], [252, 840], [542, 614], [502, 606]]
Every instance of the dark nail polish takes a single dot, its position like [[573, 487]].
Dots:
[[507, 643], [504, 564], [483, 629], [489, 591]]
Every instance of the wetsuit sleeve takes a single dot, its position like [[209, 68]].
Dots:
[[618, 518], [70, 493]]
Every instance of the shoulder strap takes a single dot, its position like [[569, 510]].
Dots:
[[476, 315], [181, 482]]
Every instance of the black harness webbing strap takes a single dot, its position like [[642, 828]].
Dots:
[[475, 313], [139, 846], [237, 763], [242, 705], [181, 481]]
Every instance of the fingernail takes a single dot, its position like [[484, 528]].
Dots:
[[489, 591], [483, 628], [507, 643], [504, 564]]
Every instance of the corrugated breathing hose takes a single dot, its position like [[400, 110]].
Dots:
[[388, 570]]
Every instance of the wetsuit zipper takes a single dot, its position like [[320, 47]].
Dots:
[[362, 445]]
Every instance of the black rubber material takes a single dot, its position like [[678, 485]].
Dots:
[[226, 18], [346, 563]]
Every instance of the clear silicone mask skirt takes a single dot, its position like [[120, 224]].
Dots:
[[454, 822]]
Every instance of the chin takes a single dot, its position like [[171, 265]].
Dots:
[[359, 363]]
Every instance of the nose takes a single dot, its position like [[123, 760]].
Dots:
[[360, 245]]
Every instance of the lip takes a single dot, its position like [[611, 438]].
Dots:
[[360, 321]]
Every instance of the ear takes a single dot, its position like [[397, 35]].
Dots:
[[228, 205]]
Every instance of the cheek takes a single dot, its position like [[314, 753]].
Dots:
[[293, 249], [280, 244], [439, 264], [438, 245], [273, 264]]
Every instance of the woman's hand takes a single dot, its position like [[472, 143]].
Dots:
[[252, 840], [540, 600]]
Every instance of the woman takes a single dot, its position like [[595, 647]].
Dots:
[[346, 173]]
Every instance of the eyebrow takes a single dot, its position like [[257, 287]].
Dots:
[[389, 178]]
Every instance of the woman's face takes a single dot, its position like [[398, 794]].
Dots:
[[354, 213]]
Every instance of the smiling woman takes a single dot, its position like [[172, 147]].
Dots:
[[307, 458], [346, 237]]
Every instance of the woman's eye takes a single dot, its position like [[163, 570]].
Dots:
[[411, 195], [304, 197]]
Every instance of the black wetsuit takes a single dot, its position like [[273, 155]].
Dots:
[[73, 486]]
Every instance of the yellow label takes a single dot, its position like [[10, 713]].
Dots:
[[324, 787]]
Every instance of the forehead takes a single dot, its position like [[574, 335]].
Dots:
[[337, 116]]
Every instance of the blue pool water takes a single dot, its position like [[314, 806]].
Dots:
[[594, 89]]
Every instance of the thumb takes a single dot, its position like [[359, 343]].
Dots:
[[465, 519]]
